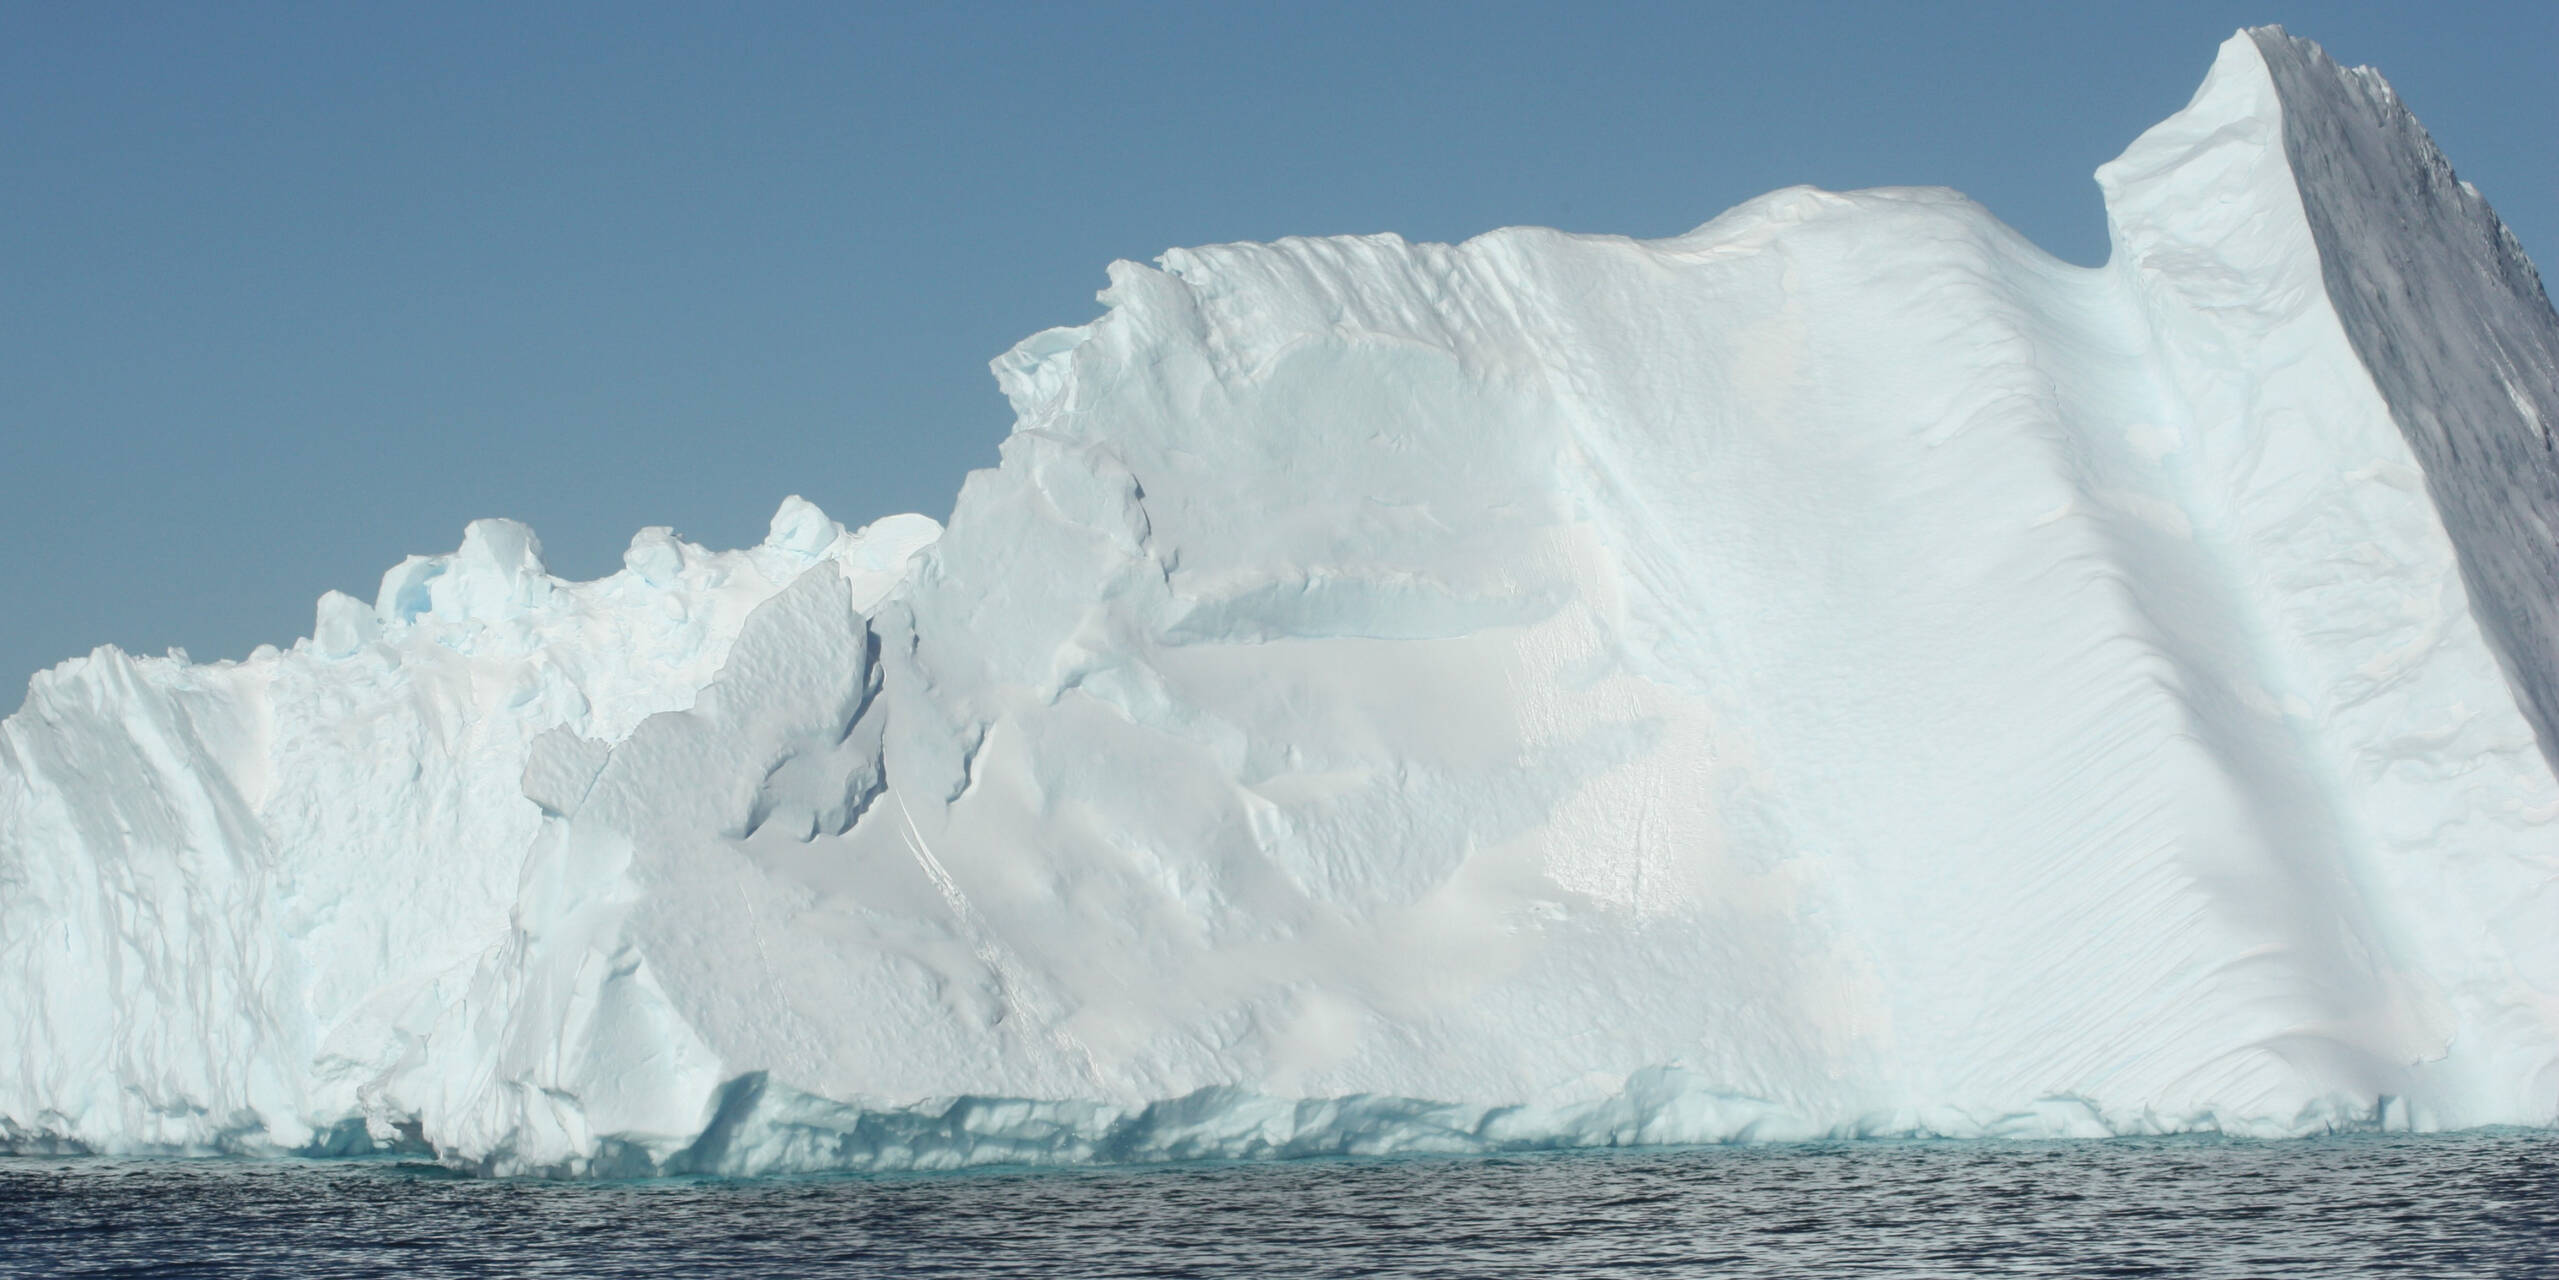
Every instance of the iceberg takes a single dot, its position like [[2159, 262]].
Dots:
[[1837, 672]]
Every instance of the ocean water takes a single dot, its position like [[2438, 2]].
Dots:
[[2449, 1205]]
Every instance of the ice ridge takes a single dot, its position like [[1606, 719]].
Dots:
[[1838, 672]]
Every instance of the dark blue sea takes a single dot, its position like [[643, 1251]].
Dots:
[[2479, 1204]]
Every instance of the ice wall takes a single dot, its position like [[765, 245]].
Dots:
[[1838, 671], [2451, 321], [230, 893]]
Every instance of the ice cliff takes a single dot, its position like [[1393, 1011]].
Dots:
[[1839, 671]]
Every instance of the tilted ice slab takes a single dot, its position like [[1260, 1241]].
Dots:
[[1839, 671]]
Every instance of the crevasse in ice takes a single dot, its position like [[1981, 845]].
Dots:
[[1839, 671]]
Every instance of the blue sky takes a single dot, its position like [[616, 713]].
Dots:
[[288, 292]]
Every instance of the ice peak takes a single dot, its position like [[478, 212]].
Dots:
[[801, 529], [496, 574]]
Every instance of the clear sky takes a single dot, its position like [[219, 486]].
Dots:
[[288, 292]]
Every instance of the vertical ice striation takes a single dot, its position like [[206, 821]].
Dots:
[[1838, 671]]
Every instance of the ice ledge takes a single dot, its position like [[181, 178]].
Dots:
[[764, 1128], [758, 1127]]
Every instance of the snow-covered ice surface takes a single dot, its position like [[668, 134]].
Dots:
[[1840, 671]]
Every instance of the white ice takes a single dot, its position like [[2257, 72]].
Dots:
[[1840, 671]]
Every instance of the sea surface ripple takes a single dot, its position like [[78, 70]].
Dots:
[[2445, 1205]]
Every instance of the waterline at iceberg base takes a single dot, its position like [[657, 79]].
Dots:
[[1838, 672], [760, 1128]]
